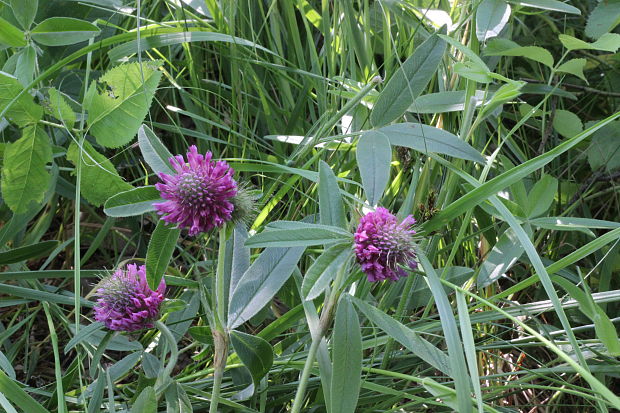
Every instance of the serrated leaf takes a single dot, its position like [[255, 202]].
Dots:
[[62, 31], [100, 180], [374, 155], [574, 67], [603, 19], [609, 42], [255, 353], [11, 35], [25, 11], [116, 113], [136, 201], [535, 53], [23, 111], [408, 82], [491, 17], [154, 152], [24, 175], [567, 123], [159, 252], [347, 356], [58, 107], [323, 270]]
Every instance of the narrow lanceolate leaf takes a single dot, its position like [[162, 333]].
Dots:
[[491, 18], [552, 5], [374, 155], [301, 235], [425, 139], [23, 111], [24, 175], [406, 336], [18, 396], [100, 180], [347, 356], [154, 152], [62, 31], [136, 201], [255, 353], [323, 270], [331, 208], [160, 249], [261, 282], [115, 114], [39, 249], [408, 82]]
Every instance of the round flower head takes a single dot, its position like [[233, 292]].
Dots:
[[199, 195], [126, 303], [382, 245]]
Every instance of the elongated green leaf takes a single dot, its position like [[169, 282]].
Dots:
[[83, 334], [11, 35], [406, 336], [507, 178], [553, 5], [28, 252], [136, 201], [502, 257], [297, 234], [17, 395], [491, 17], [261, 282], [374, 156], [609, 42], [37, 295], [255, 353], [425, 139], [100, 180], [331, 208], [25, 66], [25, 11], [159, 252], [347, 356], [146, 401], [62, 31], [530, 52], [24, 177], [451, 101], [115, 114], [323, 270], [572, 223], [408, 82], [154, 152]]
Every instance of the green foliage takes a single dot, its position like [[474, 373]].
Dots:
[[62, 31], [23, 111]]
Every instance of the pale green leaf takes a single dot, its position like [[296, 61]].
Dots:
[[609, 42], [491, 17], [11, 35], [374, 155], [535, 53], [23, 111], [58, 107], [62, 31], [603, 19], [552, 5], [574, 67]]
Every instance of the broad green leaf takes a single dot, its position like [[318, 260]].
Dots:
[[159, 252], [406, 336], [440, 102], [17, 395], [100, 180], [604, 150], [606, 331], [535, 53], [323, 270], [491, 17], [331, 208], [25, 66], [146, 401], [11, 35], [58, 107], [574, 67], [347, 356], [469, 70], [25, 11], [202, 334], [116, 113], [255, 353], [374, 155], [553, 5], [425, 139], [609, 42], [567, 123], [62, 31], [136, 201], [154, 152], [502, 257], [297, 234], [23, 111], [408, 82], [28, 252], [261, 282], [604, 18], [541, 196], [24, 175]]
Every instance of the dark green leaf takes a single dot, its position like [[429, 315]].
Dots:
[[202, 334], [24, 11], [14, 392], [255, 353], [28, 252], [159, 252]]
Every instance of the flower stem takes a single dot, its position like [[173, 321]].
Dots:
[[174, 351], [220, 340], [305, 374]]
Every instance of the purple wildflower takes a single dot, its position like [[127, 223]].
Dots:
[[199, 195], [382, 245], [126, 303]]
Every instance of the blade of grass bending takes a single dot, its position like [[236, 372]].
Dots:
[[470, 348]]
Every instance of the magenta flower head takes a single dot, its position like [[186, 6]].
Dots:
[[199, 195], [383, 245], [126, 303]]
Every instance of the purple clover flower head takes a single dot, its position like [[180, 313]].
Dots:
[[126, 303], [199, 195], [383, 245]]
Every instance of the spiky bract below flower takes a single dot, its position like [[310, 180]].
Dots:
[[383, 245], [244, 204], [199, 195], [126, 303]]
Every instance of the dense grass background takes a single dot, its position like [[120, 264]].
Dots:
[[525, 240]]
